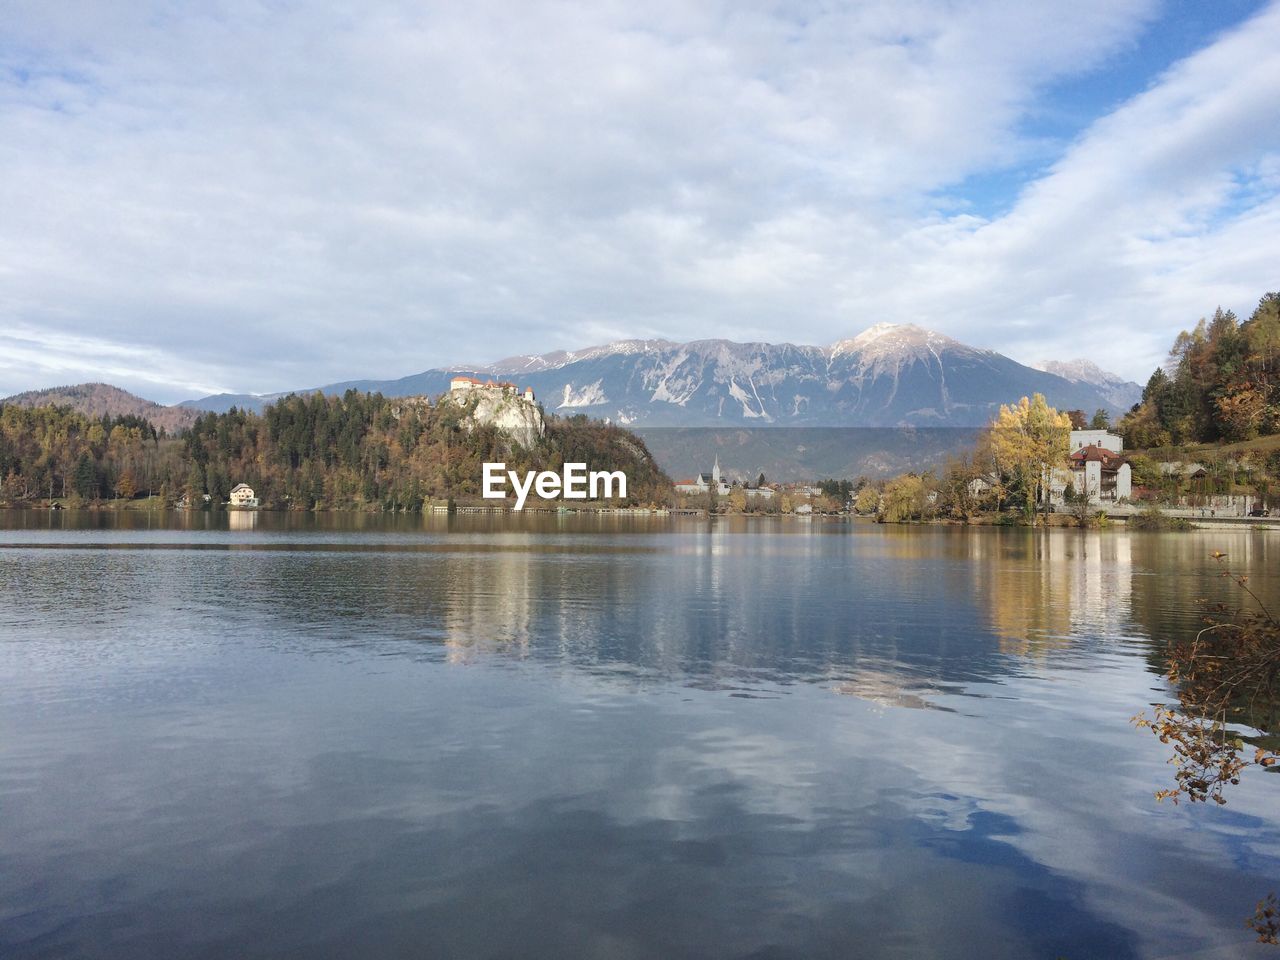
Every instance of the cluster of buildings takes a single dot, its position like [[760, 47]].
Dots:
[[705, 482], [463, 385], [715, 482]]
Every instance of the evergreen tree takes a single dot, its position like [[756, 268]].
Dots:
[[85, 478]]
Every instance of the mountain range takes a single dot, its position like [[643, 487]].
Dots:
[[887, 376]]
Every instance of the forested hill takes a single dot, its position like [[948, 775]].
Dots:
[[358, 451], [96, 400], [1221, 383]]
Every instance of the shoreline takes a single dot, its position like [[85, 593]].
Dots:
[[1057, 521]]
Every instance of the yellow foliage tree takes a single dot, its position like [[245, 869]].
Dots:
[[1028, 439], [1240, 413], [905, 498], [868, 500], [126, 486]]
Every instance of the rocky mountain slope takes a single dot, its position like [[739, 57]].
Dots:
[[888, 376], [1118, 391]]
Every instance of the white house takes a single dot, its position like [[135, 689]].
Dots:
[[242, 496], [1096, 438], [981, 486], [1098, 471], [1096, 468]]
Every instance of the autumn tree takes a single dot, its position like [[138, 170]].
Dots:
[[1227, 719], [126, 486], [1221, 382], [904, 498], [1240, 413], [960, 490], [1028, 440], [868, 500]]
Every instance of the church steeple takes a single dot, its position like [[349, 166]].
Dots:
[[715, 471]]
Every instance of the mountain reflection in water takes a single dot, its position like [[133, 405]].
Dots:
[[605, 737]]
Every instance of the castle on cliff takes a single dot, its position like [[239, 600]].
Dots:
[[463, 384]]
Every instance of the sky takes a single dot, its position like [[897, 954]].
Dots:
[[258, 196]]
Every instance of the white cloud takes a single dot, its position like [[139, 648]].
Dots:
[[57, 359], [267, 196]]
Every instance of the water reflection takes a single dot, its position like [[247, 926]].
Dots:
[[888, 614], [566, 737], [242, 519], [1051, 588], [885, 613]]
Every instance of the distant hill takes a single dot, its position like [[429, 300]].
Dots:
[[96, 399], [890, 375]]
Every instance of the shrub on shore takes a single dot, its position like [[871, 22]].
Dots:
[[1153, 519]]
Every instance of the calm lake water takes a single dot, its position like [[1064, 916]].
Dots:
[[626, 738]]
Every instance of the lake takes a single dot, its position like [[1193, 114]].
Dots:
[[625, 737]]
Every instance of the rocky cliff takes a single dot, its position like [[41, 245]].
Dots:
[[519, 419]]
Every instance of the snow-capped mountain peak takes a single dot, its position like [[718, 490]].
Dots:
[[895, 331], [1079, 370], [888, 340], [1118, 391], [531, 363]]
